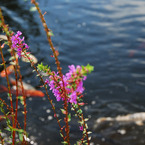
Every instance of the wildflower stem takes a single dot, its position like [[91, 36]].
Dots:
[[51, 102], [9, 91], [85, 126], [8, 83], [24, 97], [81, 118], [58, 67], [2, 140], [16, 78], [16, 67], [5, 104]]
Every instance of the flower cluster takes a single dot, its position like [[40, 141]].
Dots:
[[18, 44], [72, 84]]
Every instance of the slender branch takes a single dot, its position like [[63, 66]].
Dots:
[[16, 78], [58, 67], [50, 100], [4, 103], [9, 91], [2, 140], [81, 118], [23, 93], [8, 83], [16, 68], [6, 30], [24, 97]]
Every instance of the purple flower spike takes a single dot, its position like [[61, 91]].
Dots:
[[72, 82], [18, 43]]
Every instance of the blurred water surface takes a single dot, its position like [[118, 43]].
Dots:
[[109, 34]]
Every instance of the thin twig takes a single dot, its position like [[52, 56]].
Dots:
[[58, 67]]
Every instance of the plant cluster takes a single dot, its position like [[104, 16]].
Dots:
[[67, 88]]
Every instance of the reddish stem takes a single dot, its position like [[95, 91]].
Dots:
[[9, 91], [58, 67], [52, 105], [81, 118]]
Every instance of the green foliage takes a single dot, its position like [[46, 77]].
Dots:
[[64, 142], [69, 117], [63, 111], [87, 69], [50, 33], [21, 98], [79, 111], [32, 9], [43, 68]]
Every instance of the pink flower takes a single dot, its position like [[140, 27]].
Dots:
[[81, 128], [72, 68], [47, 81], [73, 98], [18, 44], [19, 33], [72, 82], [80, 88], [84, 78], [52, 85]]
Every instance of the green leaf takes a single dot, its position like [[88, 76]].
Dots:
[[79, 111], [13, 63], [50, 33], [69, 117], [21, 136], [7, 113], [12, 58], [8, 95], [87, 69], [64, 142], [90, 68], [9, 50], [21, 100], [2, 64], [84, 141], [63, 111], [84, 131], [8, 129], [86, 126], [75, 105], [81, 122], [61, 135], [89, 132], [86, 119], [32, 9], [42, 67]]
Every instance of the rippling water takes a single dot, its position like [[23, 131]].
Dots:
[[109, 34]]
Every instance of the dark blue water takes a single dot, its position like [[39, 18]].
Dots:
[[108, 34]]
